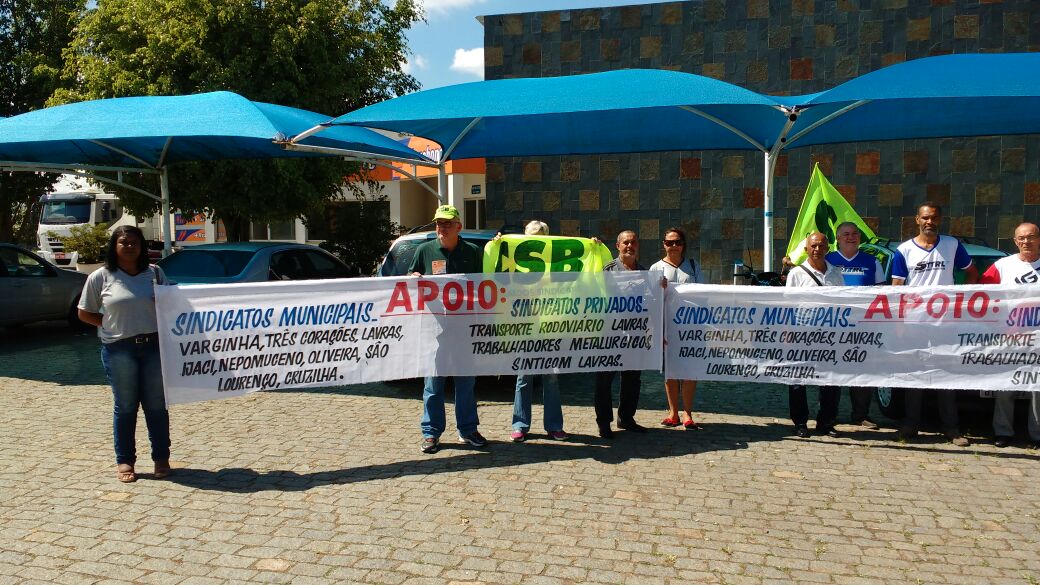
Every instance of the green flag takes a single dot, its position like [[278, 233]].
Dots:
[[823, 210]]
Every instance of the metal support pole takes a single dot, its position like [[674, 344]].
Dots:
[[767, 204], [164, 191], [442, 184], [770, 157]]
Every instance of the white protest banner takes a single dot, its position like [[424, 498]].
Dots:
[[219, 341], [971, 337], [553, 322]]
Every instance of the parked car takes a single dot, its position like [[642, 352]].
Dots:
[[890, 400], [33, 289], [402, 251], [252, 262]]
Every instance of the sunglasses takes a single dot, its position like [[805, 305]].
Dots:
[[670, 243]]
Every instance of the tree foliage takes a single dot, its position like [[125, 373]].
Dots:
[[330, 56], [360, 231], [89, 240], [33, 34]]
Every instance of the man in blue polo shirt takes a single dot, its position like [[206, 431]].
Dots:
[[857, 269], [929, 259], [448, 254]]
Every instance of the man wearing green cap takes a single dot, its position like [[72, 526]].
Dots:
[[448, 254]]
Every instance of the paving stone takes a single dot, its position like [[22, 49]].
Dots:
[[296, 493]]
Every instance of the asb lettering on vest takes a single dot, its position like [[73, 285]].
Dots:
[[515, 253]]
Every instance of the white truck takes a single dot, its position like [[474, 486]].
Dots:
[[64, 209], [74, 202]]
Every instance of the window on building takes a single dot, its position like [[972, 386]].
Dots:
[[257, 231], [341, 217], [476, 218], [282, 230], [278, 231]]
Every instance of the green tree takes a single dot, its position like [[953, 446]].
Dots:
[[33, 34], [360, 231], [89, 240], [329, 56]]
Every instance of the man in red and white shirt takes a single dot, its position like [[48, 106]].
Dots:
[[1022, 269]]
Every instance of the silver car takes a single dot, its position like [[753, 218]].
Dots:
[[251, 262], [33, 289]]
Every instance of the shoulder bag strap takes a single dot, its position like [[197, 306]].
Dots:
[[811, 275]]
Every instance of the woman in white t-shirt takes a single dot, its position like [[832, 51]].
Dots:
[[119, 299], [678, 269]]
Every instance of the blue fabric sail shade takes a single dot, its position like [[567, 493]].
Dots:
[[133, 132], [632, 110], [943, 96], [652, 110]]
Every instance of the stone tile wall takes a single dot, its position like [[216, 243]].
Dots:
[[987, 184]]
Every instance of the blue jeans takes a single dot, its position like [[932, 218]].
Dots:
[[553, 410], [135, 373], [432, 423]]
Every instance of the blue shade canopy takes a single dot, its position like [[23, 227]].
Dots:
[[133, 132], [632, 110], [653, 110], [949, 95]]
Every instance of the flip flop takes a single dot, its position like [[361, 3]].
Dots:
[[691, 425], [162, 469], [125, 473]]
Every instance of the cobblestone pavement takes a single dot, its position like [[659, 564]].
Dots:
[[330, 486]]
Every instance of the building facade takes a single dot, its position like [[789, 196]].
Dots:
[[987, 185]]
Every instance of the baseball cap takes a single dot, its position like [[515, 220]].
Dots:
[[446, 212]]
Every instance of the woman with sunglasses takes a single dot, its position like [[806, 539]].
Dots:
[[678, 269]]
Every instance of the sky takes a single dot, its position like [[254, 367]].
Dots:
[[449, 47]]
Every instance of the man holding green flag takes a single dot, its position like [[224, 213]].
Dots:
[[823, 210]]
